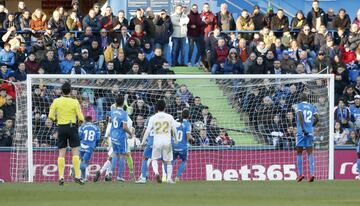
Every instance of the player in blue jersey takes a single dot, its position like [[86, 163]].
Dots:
[[355, 111], [306, 119], [119, 128], [181, 149], [356, 140], [89, 134]]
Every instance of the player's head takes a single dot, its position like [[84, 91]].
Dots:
[[66, 88], [120, 101], [88, 119], [160, 105], [303, 97], [185, 114]]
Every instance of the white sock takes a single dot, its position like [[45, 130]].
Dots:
[[169, 171], [155, 166], [163, 170], [106, 165]]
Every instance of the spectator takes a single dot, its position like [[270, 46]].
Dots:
[[121, 65], [67, 64], [203, 139], [135, 69], [233, 64], [342, 20], [20, 73], [11, 21], [306, 39], [348, 55], [110, 68], [357, 19], [321, 62], [91, 20], [88, 109], [97, 10], [76, 8], [165, 69], [96, 53], [7, 134], [5, 72], [340, 137], [143, 63], [139, 126], [77, 68], [57, 24], [209, 21], [287, 63], [349, 95], [224, 138], [150, 32], [47, 134], [329, 18], [219, 56], [249, 62], [163, 31], [9, 107], [73, 22], [139, 19], [276, 69], [257, 67], [194, 35], [120, 20], [355, 111], [316, 17], [341, 80], [261, 49], [156, 62], [31, 64], [87, 64], [108, 20], [184, 94], [280, 22], [50, 63], [245, 22], [299, 21], [244, 50], [179, 21], [132, 48], [112, 51], [140, 108], [342, 114], [2, 99], [354, 37], [321, 36], [258, 18], [24, 21], [7, 57], [225, 19], [38, 21], [139, 36], [176, 107]]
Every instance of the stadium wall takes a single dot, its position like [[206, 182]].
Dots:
[[206, 164]]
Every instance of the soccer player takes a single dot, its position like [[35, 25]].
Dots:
[[164, 127], [119, 128], [89, 136], [356, 139], [181, 149], [66, 111], [306, 119]]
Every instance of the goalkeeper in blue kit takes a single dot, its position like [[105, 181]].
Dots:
[[306, 120]]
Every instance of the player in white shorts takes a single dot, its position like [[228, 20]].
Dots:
[[164, 127]]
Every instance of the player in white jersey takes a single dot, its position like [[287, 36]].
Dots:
[[107, 165], [164, 127]]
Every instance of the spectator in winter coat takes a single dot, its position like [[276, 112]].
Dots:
[[258, 67], [209, 20], [258, 18], [357, 19], [280, 22], [73, 22], [107, 21], [219, 56], [163, 31], [233, 64], [195, 35], [6, 56], [92, 21], [179, 21], [156, 62], [306, 38], [67, 64], [31, 64], [342, 20], [57, 25], [50, 63], [299, 21], [38, 20], [139, 19], [316, 17], [20, 72], [225, 19]]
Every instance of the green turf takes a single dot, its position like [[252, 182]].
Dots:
[[227, 116], [184, 193]]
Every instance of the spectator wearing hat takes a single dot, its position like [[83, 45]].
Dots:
[[87, 64], [280, 22], [7, 56], [50, 63], [67, 64], [225, 19], [342, 20], [20, 73], [112, 51], [233, 64], [148, 51], [179, 21], [92, 21], [5, 71], [163, 31], [31, 64]]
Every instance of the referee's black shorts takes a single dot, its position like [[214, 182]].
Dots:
[[67, 133]]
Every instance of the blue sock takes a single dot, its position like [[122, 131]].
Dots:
[[121, 166], [299, 165], [144, 169], [311, 164], [181, 169], [113, 164], [83, 166], [358, 166]]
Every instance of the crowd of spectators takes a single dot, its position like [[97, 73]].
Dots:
[[104, 42]]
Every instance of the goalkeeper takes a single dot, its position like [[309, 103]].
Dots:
[[107, 165], [66, 111]]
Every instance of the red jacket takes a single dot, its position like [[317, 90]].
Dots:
[[221, 54], [210, 22], [10, 89], [195, 19], [348, 57]]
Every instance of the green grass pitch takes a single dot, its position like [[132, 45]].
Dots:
[[247, 193]]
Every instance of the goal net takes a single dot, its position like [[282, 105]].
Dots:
[[243, 127]]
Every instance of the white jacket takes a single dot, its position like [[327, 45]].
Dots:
[[180, 25]]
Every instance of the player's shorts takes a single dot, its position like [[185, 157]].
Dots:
[[68, 134], [163, 151], [120, 147], [147, 152], [304, 141], [182, 154], [86, 153]]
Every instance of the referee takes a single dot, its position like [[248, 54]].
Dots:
[[67, 112]]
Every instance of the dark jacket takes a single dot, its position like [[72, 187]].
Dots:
[[51, 67], [312, 15], [121, 67], [156, 64], [144, 65], [255, 68], [194, 19], [306, 41], [259, 21], [298, 23], [163, 30], [279, 24], [94, 23], [58, 27], [344, 23]]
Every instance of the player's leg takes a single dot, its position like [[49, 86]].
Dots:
[[299, 158], [62, 144], [122, 159], [85, 159], [164, 171], [311, 160], [74, 142], [183, 157], [114, 159], [130, 164], [168, 158], [156, 154]]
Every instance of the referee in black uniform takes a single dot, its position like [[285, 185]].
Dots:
[[66, 111]]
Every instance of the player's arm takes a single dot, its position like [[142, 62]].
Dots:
[[79, 114], [52, 111], [126, 128], [147, 131], [316, 119], [302, 122], [188, 134], [81, 133]]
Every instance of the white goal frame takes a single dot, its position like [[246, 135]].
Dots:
[[331, 95]]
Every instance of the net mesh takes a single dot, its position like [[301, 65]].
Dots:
[[243, 128]]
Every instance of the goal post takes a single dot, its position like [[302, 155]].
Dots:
[[240, 107]]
